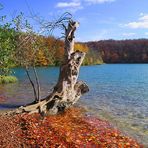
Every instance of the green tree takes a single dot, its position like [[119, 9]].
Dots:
[[7, 46]]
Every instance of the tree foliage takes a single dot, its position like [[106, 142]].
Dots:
[[7, 46], [122, 51]]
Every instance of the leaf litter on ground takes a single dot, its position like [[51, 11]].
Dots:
[[71, 129]]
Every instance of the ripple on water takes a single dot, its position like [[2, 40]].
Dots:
[[118, 93]]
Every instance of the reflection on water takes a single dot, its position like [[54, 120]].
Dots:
[[118, 93]]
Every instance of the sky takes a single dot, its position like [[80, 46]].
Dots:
[[99, 19]]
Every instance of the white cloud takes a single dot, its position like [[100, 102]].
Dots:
[[142, 22], [98, 1], [68, 4], [146, 33], [129, 34], [72, 6], [144, 17]]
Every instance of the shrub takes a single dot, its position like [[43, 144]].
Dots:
[[8, 79]]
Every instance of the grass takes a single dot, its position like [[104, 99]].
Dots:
[[8, 79]]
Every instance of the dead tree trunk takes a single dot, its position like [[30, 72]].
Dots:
[[67, 90]]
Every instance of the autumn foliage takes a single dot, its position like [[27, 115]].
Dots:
[[121, 51], [70, 129], [48, 51], [81, 47]]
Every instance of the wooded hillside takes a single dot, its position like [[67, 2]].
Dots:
[[121, 51]]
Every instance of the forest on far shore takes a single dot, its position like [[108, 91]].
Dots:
[[121, 51], [51, 51]]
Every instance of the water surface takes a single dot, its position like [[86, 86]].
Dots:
[[118, 93]]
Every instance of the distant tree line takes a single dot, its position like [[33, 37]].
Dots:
[[16, 50], [121, 51]]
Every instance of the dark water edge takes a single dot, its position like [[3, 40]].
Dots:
[[118, 93]]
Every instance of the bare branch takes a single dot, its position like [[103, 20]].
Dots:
[[32, 83], [38, 83]]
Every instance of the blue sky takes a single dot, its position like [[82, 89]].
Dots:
[[99, 19]]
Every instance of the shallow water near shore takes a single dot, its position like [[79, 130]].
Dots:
[[118, 93]]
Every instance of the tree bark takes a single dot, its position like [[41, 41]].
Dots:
[[67, 90]]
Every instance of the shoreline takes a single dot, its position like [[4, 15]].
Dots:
[[72, 128]]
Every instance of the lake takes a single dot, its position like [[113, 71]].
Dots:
[[118, 93]]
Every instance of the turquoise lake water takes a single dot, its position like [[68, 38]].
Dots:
[[118, 93]]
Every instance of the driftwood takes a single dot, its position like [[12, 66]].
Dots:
[[67, 90]]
